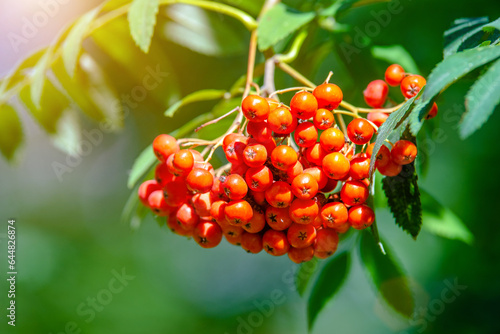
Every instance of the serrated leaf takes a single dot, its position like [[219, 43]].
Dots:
[[403, 197], [142, 20], [441, 221], [198, 96], [344, 5], [467, 34], [387, 276], [396, 54], [304, 275], [456, 66], [329, 281], [11, 131], [203, 32], [417, 116], [141, 166], [481, 100], [394, 119], [38, 78], [73, 43], [279, 22], [460, 31]]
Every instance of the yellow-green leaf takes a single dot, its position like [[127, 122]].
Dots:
[[73, 43], [38, 78], [11, 131], [198, 96], [142, 20]]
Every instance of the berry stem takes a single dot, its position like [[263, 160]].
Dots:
[[294, 74], [342, 124], [327, 80], [291, 89], [268, 87], [217, 119]]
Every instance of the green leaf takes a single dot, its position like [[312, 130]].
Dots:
[[141, 166], [52, 105], [18, 74], [441, 221], [387, 276], [73, 43], [403, 197], [467, 33], [304, 275], [417, 116], [456, 66], [389, 125], [142, 20], [396, 54], [204, 32], [198, 96], [91, 89], [11, 131], [329, 281], [38, 78], [279, 22], [481, 101]]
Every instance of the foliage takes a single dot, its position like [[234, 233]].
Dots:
[[68, 76]]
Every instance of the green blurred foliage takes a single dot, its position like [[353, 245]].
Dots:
[[70, 239]]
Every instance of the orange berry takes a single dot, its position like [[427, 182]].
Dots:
[[328, 96], [275, 242], [332, 140], [360, 131], [284, 157], [278, 218], [255, 108], [394, 74], [303, 105], [361, 217], [279, 194], [403, 152], [336, 166]]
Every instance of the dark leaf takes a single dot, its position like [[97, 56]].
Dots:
[[11, 131], [304, 275], [403, 197], [329, 281], [387, 276]]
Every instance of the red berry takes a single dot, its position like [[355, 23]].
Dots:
[[199, 180], [175, 192], [275, 242], [238, 212], [259, 178], [233, 234], [319, 175], [303, 105], [403, 152], [278, 218], [146, 188], [252, 242], [207, 234], [300, 255], [175, 227], [283, 157], [186, 217], [332, 140], [360, 167], [255, 108], [354, 193], [328, 96], [157, 203], [433, 112], [394, 74], [260, 131], [235, 187], [202, 204], [281, 121], [390, 169], [162, 174], [279, 194], [383, 156], [300, 235], [361, 216], [257, 223], [411, 85], [254, 155], [303, 211], [315, 154], [336, 166], [375, 93], [164, 145], [323, 119], [334, 214], [326, 244], [360, 131], [377, 118], [217, 212], [305, 134], [304, 186]]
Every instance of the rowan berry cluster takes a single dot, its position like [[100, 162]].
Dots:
[[294, 180]]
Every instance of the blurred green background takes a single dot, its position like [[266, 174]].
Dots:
[[71, 245]]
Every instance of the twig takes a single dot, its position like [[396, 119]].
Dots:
[[216, 120]]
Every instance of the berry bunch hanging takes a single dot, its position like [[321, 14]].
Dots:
[[295, 179]]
